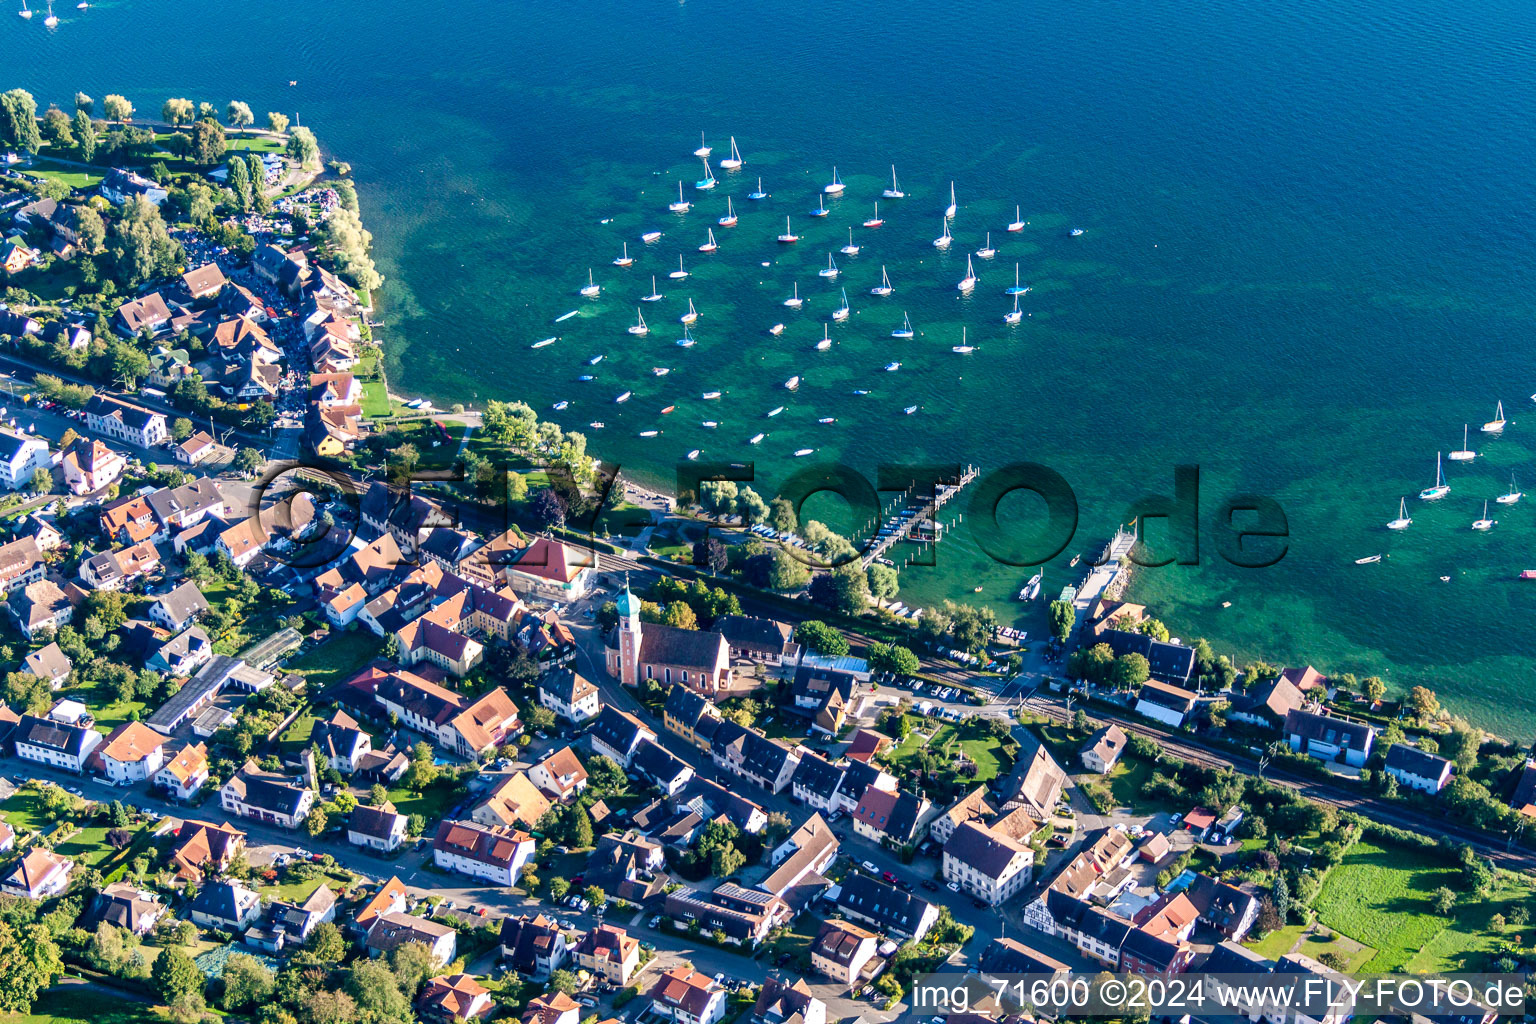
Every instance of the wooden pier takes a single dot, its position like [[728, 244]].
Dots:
[[916, 520]]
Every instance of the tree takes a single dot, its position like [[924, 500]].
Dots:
[[1062, 616], [325, 944], [175, 975], [29, 963], [547, 508], [558, 888], [718, 496], [1460, 745], [303, 149], [42, 481], [1423, 703], [84, 104], [181, 428], [18, 121], [786, 572], [710, 554], [377, 993], [1444, 900], [249, 460], [727, 860], [117, 108], [1280, 894], [177, 111], [679, 615], [239, 181], [129, 364], [580, 831], [413, 963], [751, 507], [892, 658], [85, 135], [781, 515], [90, 228], [421, 774], [595, 895], [883, 582], [208, 143], [820, 637], [316, 821], [239, 114], [247, 982], [1374, 688], [277, 122], [326, 1006], [141, 246], [561, 980], [58, 128], [844, 590], [1131, 670]]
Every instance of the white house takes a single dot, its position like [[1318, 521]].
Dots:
[[1102, 751], [133, 753], [376, 828], [496, 854], [21, 455], [125, 422], [1329, 738], [687, 996], [1165, 703], [266, 796], [569, 695], [987, 863], [54, 743], [1416, 769], [38, 875], [184, 774]]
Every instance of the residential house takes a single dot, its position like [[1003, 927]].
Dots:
[[90, 466], [39, 874], [987, 863], [204, 282], [183, 775], [128, 907], [534, 946], [50, 663], [1267, 703], [1102, 751], [627, 866], [133, 753], [660, 766], [1035, 783], [766, 641], [973, 806], [126, 422], [341, 742], [552, 1008], [183, 654], [21, 563], [455, 724], [710, 800], [1226, 908], [205, 848], [266, 796], [494, 853], [376, 828], [686, 996], [1010, 956], [816, 781], [146, 313], [691, 715], [609, 952], [886, 907], [286, 924], [560, 775], [114, 570], [177, 508], [865, 744], [892, 819], [121, 185], [388, 932], [179, 608], [781, 1002], [1165, 703], [226, 906], [196, 449], [1329, 737], [551, 570], [21, 455], [57, 744], [514, 801], [1167, 662], [390, 899], [615, 734], [1417, 769], [569, 695], [841, 951], [454, 997], [1149, 955], [801, 859], [16, 255], [753, 756]]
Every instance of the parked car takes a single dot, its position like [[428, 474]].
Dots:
[[888, 876], [953, 887], [870, 867]]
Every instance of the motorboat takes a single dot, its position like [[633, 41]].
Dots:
[[595, 359], [825, 420], [776, 330], [544, 342], [909, 410], [756, 439], [710, 395], [561, 406], [649, 433], [622, 398], [648, 238], [892, 367], [660, 371], [801, 453], [775, 411], [695, 453], [792, 383]]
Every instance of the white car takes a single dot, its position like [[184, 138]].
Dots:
[[953, 887], [868, 866]]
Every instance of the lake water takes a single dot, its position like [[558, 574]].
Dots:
[[1306, 259]]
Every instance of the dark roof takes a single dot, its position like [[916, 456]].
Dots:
[[706, 795], [1170, 663], [218, 899], [183, 601], [615, 728], [372, 821], [1414, 761], [1010, 956], [1233, 958], [687, 648], [51, 735], [1325, 728], [1156, 953], [748, 631], [1272, 698], [685, 705], [1108, 928], [657, 763], [1222, 906], [818, 683], [884, 904], [817, 775]]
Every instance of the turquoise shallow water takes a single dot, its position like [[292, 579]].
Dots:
[[1306, 259]]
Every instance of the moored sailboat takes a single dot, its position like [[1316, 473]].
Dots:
[[729, 220], [710, 245], [884, 287], [624, 259], [949, 211], [842, 312], [1484, 523], [905, 330], [830, 270], [968, 282], [875, 221], [639, 326], [1495, 425], [942, 242], [1514, 494], [681, 272], [591, 288], [1440, 488], [851, 249], [689, 317], [1463, 454], [835, 186], [788, 237], [1402, 522], [759, 194], [733, 161], [1018, 221], [894, 192], [682, 205], [707, 182]]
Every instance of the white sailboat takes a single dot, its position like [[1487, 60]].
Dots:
[[759, 194], [835, 186], [1017, 223], [821, 209], [875, 221], [894, 192], [884, 287], [25, 12], [1514, 495], [949, 211], [52, 19], [942, 242], [986, 252], [680, 272], [689, 317], [703, 150], [729, 220], [655, 295], [1016, 315], [788, 237], [591, 288], [733, 161], [1016, 288], [905, 330], [841, 312], [850, 249], [682, 205], [687, 340], [710, 245], [1463, 454], [1441, 488], [707, 182], [639, 326], [830, 270], [1402, 522], [965, 347], [968, 282], [1484, 523], [624, 259], [795, 301], [1496, 424], [826, 340]]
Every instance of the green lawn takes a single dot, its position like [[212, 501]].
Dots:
[[80, 1004], [338, 658], [73, 177], [1279, 942], [88, 846], [22, 814], [298, 892], [258, 143], [432, 804]]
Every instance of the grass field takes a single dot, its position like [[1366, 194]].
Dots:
[[258, 143], [73, 177], [80, 1004], [338, 658]]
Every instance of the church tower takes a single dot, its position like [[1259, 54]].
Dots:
[[629, 638]]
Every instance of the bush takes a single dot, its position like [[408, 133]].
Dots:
[[625, 996]]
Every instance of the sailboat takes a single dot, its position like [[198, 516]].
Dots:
[[591, 288], [986, 252], [905, 330], [655, 295], [788, 237], [795, 301], [639, 325], [52, 19], [1484, 523], [1016, 288], [841, 312], [689, 317], [884, 287], [624, 259], [679, 273], [707, 182], [1513, 496], [830, 270], [965, 347], [1402, 522], [682, 205], [1463, 454], [733, 161], [894, 192], [821, 209], [25, 12], [876, 220], [942, 242], [949, 211], [850, 249], [703, 150], [1441, 488], [1018, 221], [1016, 315], [729, 220], [687, 340], [826, 340], [710, 245], [835, 187], [1496, 424], [759, 194], [968, 282]]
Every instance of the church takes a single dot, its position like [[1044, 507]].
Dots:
[[639, 650]]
